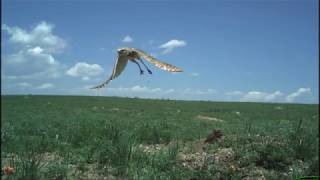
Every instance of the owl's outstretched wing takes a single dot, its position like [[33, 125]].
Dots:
[[159, 64], [119, 66]]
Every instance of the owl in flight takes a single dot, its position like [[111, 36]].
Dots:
[[135, 55]]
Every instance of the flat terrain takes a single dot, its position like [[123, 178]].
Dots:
[[78, 137]]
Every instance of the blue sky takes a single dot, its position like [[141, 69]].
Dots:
[[262, 51]]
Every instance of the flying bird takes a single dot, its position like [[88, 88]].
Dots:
[[135, 55]]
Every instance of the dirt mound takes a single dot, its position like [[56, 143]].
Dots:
[[200, 160]]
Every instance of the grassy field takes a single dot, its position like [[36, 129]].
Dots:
[[75, 137]]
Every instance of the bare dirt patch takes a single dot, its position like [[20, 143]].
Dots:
[[207, 118], [151, 148], [114, 109]]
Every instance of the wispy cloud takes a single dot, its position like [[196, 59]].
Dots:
[[45, 86], [194, 74], [24, 84], [137, 89], [189, 91], [127, 39], [257, 96], [300, 92], [234, 93], [172, 44], [144, 91], [84, 70]]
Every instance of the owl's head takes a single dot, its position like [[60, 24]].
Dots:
[[130, 53], [123, 51]]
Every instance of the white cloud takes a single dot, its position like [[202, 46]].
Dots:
[[84, 70], [24, 84], [194, 74], [273, 96], [234, 93], [138, 89], [145, 89], [169, 91], [254, 96], [85, 78], [144, 92], [35, 55], [45, 86], [257, 96], [189, 91], [127, 39], [35, 50], [31, 63], [17, 35], [172, 44], [300, 92], [41, 35]]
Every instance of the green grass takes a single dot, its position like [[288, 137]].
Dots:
[[78, 137]]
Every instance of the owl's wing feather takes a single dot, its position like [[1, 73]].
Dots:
[[102, 84], [119, 66], [156, 62]]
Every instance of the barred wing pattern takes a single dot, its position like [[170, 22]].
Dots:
[[119, 66], [159, 64]]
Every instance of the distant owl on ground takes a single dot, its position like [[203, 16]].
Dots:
[[214, 136], [135, 55]]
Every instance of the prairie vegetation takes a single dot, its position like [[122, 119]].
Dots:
[[78, 137]]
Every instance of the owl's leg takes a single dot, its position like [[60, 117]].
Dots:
[[149, 71], [141, 71]]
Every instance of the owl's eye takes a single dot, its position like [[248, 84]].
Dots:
[[131, 53], [121, 50]]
